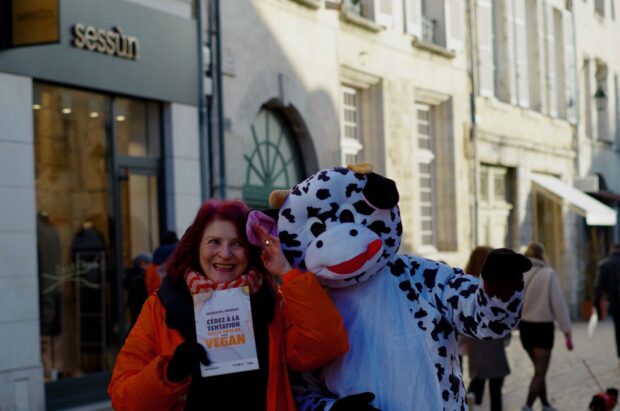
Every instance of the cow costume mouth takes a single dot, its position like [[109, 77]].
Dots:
[[355, 263]]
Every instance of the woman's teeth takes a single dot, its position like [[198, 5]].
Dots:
[[223, 266]]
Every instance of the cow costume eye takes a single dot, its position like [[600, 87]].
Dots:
[[316, 226]]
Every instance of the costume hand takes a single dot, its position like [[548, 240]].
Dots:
[[186, 356], [569, 341], [272, 255], [355, 402], [503, 273]]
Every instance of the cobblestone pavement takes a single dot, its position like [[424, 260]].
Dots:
[[569, 385]]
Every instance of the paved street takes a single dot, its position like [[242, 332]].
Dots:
[[568, 381], [569, 384]]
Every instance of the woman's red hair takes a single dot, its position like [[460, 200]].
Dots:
[[186, 254]]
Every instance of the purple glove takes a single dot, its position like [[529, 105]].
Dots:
[[262, 219]]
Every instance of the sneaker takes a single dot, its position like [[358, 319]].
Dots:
[[526, 408], [549, 408]]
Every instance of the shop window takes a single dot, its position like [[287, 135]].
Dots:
[[137, 128], [548, 226], [93, 221]]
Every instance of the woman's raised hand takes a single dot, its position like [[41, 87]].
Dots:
[[272, 255]]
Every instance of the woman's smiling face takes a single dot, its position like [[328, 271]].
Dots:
[[223, 253]]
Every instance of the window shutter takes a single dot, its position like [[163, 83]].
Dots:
[[552, 100], [521, 46], [508, 66], [455, 23], [384, 12], [570, 67], [486, 67], [413, 17]]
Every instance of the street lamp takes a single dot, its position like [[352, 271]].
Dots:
[[601, 99]]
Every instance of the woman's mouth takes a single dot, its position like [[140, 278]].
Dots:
[[224, 267]]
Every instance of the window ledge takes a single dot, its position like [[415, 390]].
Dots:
[[433, 48], [312, 4], [359, 21]]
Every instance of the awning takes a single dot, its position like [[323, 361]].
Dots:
[[595, 212]]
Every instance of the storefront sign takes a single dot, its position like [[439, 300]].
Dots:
[[112, 42], [34, 22]]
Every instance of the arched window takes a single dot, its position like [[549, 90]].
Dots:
[[273, 159]]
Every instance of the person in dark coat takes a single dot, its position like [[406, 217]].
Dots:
[[155, 271], [608, 285], [135, 285]]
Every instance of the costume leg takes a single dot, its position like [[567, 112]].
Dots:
[[495, 389]]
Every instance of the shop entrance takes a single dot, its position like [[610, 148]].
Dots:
[[98, 185]]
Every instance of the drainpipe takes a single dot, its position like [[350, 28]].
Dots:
[[220, 99], [577, 98], [472, 107], [202, 105]]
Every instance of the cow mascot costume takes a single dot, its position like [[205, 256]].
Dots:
[[402, 312]]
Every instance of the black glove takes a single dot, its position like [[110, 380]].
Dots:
[[186, 356], [503, 272], [356, 402]]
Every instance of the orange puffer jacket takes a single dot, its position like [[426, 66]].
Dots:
[[306, 332]]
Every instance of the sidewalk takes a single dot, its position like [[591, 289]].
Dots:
[[569, 385]]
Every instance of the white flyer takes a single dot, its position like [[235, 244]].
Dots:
[[224, 328]]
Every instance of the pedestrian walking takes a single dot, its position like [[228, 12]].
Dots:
[[543, 303], [295, 325], [608, 285], [486, 358]]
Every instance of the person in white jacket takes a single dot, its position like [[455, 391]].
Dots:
[[543, 304]]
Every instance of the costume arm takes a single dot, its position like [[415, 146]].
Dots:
[[467, 307], [314, 329], [139, 376]]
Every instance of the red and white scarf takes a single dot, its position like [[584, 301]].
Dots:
[[198, 283]]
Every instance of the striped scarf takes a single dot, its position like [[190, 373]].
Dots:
[[198, 283]]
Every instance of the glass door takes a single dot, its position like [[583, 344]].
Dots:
[[97, 179]]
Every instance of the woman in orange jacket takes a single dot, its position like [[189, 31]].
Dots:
[[296, 326]]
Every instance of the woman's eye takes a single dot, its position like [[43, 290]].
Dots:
[[213, 241]]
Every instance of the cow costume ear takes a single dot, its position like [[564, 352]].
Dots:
[[277, 197], [381, 192]]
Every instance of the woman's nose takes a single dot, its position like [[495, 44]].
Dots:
[[225, 250]]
